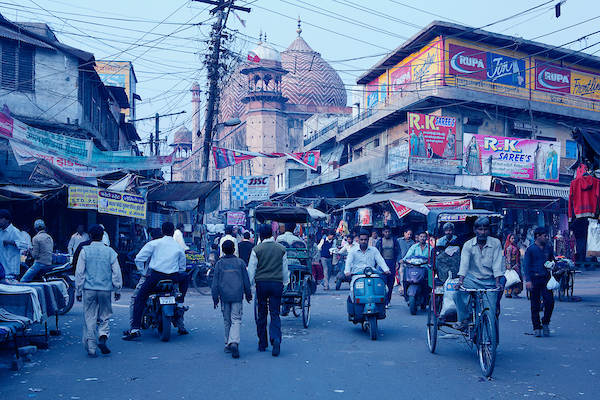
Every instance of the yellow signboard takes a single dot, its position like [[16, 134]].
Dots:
[[83, 197], [124, 204], [119, 74]]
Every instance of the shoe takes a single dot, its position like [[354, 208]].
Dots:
[[227, 349], [276, 347], [461, 325], [92, 355], [235, 352], [537, 333], [261, 348], [102, 345], [545, 329], [182, 331], [132, 335], [509, 296]]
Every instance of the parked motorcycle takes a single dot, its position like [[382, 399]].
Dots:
[[367, 304], [164, 305], [55, 272], [415, 283]]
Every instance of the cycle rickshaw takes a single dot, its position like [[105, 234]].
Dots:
[[296, 296], [482, 331]]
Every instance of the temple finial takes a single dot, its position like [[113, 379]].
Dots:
[[299, 30]]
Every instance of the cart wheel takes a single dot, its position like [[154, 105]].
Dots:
[[297, 311], [432, 327], [306, 305], [486, 343], [373, 326]]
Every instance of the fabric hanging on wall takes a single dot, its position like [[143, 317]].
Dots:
[[593, 238]]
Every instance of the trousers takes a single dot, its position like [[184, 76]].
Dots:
[[390, 279], [32, 272], [97, 309], [490, 300], [268, 296], [540, 290], [232, 319]]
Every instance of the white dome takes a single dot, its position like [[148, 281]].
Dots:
[[266, 52]]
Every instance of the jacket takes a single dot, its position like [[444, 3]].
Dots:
[[230, 280], [584, 198], [98, 269], [42, 246], [396, 246]]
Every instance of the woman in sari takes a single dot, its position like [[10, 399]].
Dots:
[[513, 261]]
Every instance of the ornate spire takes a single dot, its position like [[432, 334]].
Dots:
[[299, 30], [260, 37], [265, 37]]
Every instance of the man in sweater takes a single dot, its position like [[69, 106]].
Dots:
[[536, 278], [390, 251], [42, 246], [245, 247], [268, 267], [326, 257], [97, 274], [230, 283]]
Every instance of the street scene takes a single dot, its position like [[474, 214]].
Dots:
[[292, 199]]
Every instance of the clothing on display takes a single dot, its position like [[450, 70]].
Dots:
[[593, 238], [584, 198]]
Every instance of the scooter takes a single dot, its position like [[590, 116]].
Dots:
[[367, 304], [164, 305], [415, 283]]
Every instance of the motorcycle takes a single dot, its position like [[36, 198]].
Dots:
[[367, 304], [164, 305], [63, 272], [415, 283]]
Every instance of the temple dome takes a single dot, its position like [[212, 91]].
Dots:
[[266, 52], [182, 137]]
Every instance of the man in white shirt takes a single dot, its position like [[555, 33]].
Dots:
[[178, 237], [105, 237], [11, 244], [167, 261], [362, 257], [228, 236], [78, 237]]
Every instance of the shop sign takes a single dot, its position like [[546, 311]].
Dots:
[[436, 165], [398, 159], [365, 216], [250, 187], [464, 204], [432, 136], [123, 204], [83, 198], [511, 157], [552, 78], [236, 218], [401, 211]]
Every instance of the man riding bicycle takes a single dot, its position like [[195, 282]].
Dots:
[[480, 268]]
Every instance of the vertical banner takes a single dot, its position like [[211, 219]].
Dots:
[[537, 160], [432, 136], [250, 187]]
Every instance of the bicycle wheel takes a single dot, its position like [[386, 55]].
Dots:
[[486, 343], [306, 305], [202, 280], [562, 290], [432, 326]]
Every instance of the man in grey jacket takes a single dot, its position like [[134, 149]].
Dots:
[[230, 283], [97, 274]]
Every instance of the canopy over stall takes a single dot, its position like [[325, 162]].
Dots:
[[435, 216], [298, 215]]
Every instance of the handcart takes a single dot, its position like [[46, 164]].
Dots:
[[482, 331]]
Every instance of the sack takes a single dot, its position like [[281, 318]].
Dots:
[[512, 278], [448, 305], [552, 283]]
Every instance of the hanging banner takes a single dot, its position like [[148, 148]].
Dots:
[[537, 160], [432, 136], [464, 204], [250, 187], [401, 211], [25, 155], [236, 218], [83, 198], [124, 204], [226, 157]]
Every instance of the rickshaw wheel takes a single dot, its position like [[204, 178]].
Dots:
[[306, 304], [432, 327], [486, 343], [297, 311]]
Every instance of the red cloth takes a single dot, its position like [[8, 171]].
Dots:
[[584, 198]]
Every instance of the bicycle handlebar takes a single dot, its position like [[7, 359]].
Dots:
[[480, 290]]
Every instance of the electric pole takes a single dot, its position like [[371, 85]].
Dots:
[[213, 65], [156, 141]]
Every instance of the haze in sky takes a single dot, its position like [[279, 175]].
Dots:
[[167, 41]]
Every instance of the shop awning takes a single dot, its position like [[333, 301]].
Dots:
[[178, 191], [407, 198], [540, 189]]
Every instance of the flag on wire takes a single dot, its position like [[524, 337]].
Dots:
[[253, 57], [227, 157]]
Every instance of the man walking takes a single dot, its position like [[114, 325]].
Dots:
[[536, 278], [97, 274], [405, 243], [230, 283], [480, 268], [228, 236], [390, 251], [78, 237], [42, 246], [245, 247], [11, 244], [268, 267], [326, 257], [167, 261]]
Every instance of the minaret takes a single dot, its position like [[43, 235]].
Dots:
[[196, 140]]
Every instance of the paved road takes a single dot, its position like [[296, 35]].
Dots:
[[330, 359]]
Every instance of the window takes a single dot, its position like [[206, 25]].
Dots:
[[17, 66], [358, 153], [376, 143]]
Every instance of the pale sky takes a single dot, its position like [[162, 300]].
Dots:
[[167, 49]]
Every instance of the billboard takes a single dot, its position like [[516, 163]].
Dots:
[[119, 74], [511, 157], [398, 159], [250, 187], [432, 136]]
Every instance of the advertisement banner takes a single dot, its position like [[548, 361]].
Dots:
[[586, 85], [236, 218], [250, 187], [124, 204], [427, 64], [432, 136], [465, 61], [400, 77], [463, 204], [552, 78], [400, 210], [83, 198], [117, 73], [365, 216], [434, 165], [398, 159], [511, 157], [226, 157]]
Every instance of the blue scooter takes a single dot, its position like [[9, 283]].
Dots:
[[415, 283], [367, 304]]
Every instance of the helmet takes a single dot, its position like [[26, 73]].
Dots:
[[39, 224]]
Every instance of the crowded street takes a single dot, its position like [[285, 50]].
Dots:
[[331, 359]]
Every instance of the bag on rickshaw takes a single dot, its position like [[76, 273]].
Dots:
[[448, 305]]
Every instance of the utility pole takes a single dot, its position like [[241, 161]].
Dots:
[[156, 141], [213, 65]]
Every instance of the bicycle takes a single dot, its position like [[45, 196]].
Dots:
[[202, 278]]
